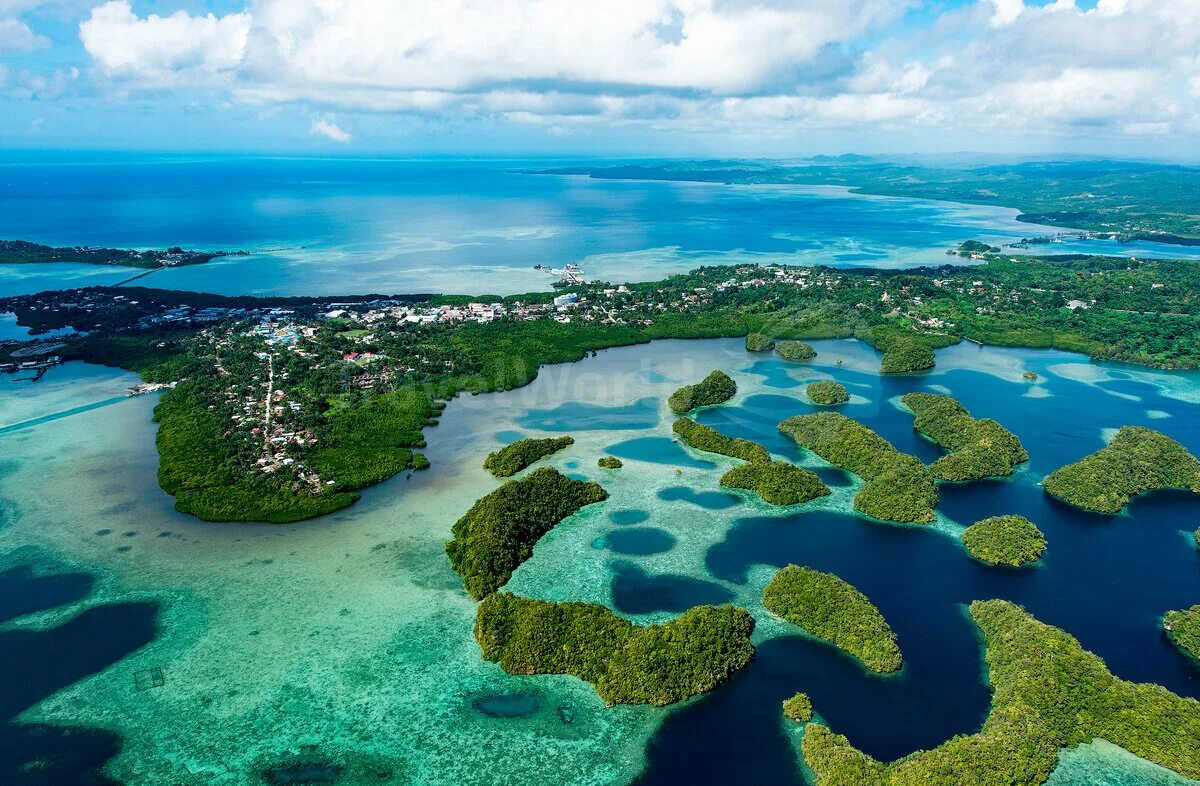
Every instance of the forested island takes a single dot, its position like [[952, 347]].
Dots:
[[1120, 199], [1137, 460], [834, 610], [22, 252], [759, 342], [513, 458], [498, 533], [898, 486], [710, 440], [978, 448], [1005, 540], [716, 388], [282, 408], [777, 482], [1183, 629], [1048, 694], [626, 663], [827, 393], [795, 351]]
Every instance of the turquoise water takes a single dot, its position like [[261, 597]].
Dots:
[[341, 648], [386, 226]]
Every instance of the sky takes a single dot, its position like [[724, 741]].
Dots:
[[747, 78]]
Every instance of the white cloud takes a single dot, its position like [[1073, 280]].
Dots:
[[163, 50], [326, 127], [16, 37], [1125, 66]]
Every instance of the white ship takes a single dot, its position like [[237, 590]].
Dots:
[[569, 276]]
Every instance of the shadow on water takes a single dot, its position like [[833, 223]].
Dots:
[[38, 663], [1105, 580]]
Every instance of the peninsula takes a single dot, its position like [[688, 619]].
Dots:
[[22, 252]]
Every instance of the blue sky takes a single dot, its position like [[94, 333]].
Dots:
[[623, 77]]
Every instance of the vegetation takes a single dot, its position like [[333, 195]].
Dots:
[[798, 708], [827, 392], [904, 351], [710, 440], [795, 350], [716, 388], [979, 448], [609, 462], [511, 459], [833, 610], [778, 482], [1136, 461], [1049, 694], [1183, 629], [1005, 540], [628, 664], [759, 342], [499, 531], [898, 486], [1030, 376], [24, 252]]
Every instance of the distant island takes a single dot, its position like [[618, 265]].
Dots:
[[22, 252], [1122, 200], [1048, 694]]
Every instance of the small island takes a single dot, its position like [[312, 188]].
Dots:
[[626, 663], [1137, 460], [904, 351], [832, 609], [498, 533], [796, 351], [717, 388], [798, 708], [777, 482], [979, 448], [1183, 629], [1049, 694], [710, 440], [22, 252], [513, 458], [759, 342], [1005, 540], [609, 462], [1030, 376], [827, 393], [898, 486]]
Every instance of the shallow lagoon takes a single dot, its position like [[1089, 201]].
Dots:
[[346, 226], [343, 646]]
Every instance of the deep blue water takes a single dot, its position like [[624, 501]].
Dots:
[[389, 226], [37, 663], [1105, 580]]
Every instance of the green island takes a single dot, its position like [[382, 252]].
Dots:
[[626, 663], [498, 533], [281, 408], [903, 352], [1118, 199], [978, 448], [796, 351], [1048, 694], [22, 252], [759, 342], [1183, 629], [1005, 540], [898, 487], [710, 440], [832, 609], [513, 458], [777, 482], [827, 393], [1137, 460], [798, 708], [716, 388], [609, 462]]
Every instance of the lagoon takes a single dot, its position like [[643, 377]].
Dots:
[[344, 645], [355, 226]]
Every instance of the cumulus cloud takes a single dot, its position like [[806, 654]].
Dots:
[[16, 37], [326, 126], [1129, 66]]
